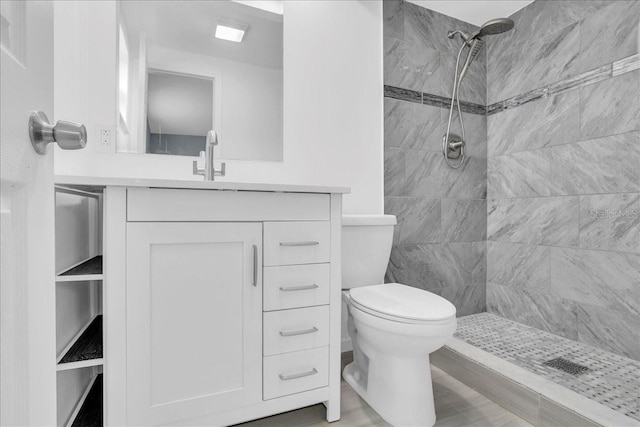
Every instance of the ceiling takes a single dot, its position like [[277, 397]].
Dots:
[[474, 12], [188, 26]]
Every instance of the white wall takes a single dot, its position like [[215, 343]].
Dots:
[[250, 124], [333, 103]]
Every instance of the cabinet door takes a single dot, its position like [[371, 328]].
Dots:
[[194, 324]]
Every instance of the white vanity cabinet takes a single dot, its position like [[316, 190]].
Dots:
[[193, 319], [220, 306]]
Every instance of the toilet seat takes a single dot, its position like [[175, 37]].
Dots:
[[401, 303]]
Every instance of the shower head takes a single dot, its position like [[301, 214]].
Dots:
[[494, 26], [475, 42], [490, 28], [475, 48]]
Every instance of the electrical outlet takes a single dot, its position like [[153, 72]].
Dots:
[[104, 140], [105, 137]]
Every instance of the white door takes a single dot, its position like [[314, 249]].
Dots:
[[27, 317], [194, 319]]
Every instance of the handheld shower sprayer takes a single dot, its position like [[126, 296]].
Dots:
[[453, 145]]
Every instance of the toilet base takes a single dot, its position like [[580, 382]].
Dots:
[[395, 395]]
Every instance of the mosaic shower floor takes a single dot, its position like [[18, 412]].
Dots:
[[612, 380]]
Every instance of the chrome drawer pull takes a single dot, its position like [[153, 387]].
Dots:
[[298, 288], [300, 375], [255, 265], [303, 332], [310, 243]]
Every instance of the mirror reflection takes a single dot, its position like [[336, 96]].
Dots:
[[188, 67], [179, 113]]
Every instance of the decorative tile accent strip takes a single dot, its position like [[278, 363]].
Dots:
[[616, 68], [612, 380], [402, 94], [444, 102], [430, 99], [583, 79], [625, 65]]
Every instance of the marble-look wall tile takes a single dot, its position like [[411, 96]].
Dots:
[[467, 299], [601, 42], [542, 61], [604, 279], [544, 221], [611, 106], [475, 127], [412, 67], [429, 28], [474, 85], [519, 266], [411, 125], [428, 176], [524, 174], [393, 18], [548, 121], [534, 21], [437, 265], [534, 309], [610, 222], [609, 330], [604, 165], [418, 219], [394, 172], [464, 220]]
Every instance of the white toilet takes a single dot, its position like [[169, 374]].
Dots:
[[393, 327]]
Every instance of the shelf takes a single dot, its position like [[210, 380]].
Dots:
[[85, 349], [89, 412], [90, 269]]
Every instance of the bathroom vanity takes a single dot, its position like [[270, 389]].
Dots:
[[221, 301]]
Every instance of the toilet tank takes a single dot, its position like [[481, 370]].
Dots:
[[366, 247]]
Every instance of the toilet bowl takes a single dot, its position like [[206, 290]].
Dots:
[[393, 329]]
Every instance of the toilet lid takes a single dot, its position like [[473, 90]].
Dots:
[[402, 302]]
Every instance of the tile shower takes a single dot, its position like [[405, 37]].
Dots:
[[542, 224]]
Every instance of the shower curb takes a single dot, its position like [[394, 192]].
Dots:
[[537, 400]]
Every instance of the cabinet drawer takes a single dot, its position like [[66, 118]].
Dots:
[[155, 204], [292, 330], [287, 243], [291, 373], [294, 286]]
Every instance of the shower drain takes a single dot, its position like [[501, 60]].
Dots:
[[566, 366]]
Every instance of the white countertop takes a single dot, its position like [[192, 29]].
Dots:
[[92, 183]]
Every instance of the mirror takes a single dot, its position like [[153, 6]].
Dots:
[[177, 79]]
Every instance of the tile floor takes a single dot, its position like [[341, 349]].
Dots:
[[612, 380], [456, 406]]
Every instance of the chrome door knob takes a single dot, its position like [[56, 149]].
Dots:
[[68, 135]]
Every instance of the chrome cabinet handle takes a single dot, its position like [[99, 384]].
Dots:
[[300, 375], [68, 135], [295, 333], [310, 243], [298, 288], [255, 265]]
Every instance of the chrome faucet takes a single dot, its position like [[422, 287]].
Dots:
[[209, 171]]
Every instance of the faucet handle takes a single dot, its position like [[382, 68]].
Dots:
[[222, 171], [196, 169]]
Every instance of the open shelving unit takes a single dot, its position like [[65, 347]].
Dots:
[[90, 269], [89, 411], [85, 349], [79, 327]]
